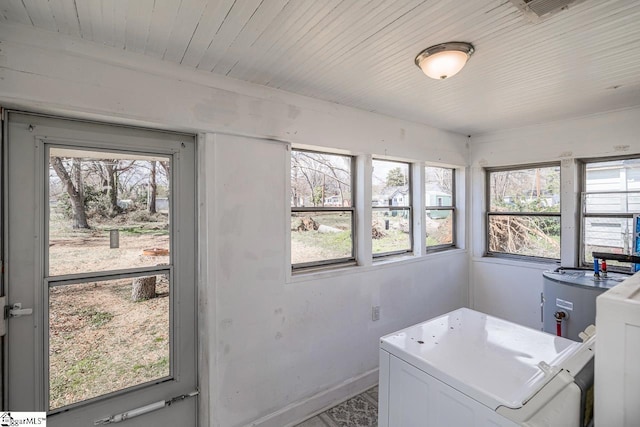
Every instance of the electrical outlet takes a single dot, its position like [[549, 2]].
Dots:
[[375, 313]]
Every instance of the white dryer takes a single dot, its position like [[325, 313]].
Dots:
[[468, 369]]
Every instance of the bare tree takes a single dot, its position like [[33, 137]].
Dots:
[[315, 175], [74, 189], [153, 187], [444, 178]]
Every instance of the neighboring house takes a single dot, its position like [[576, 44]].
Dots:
[[612, 190], [333, 201], [436, 196], [392, 196]]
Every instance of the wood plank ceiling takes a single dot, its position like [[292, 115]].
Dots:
[[360, 53]]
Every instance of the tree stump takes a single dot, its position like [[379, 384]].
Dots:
[[307, 224], [377, 231], [143, 288]]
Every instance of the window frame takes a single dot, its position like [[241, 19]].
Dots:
[[332, 262], [452, 208], [489, 213], [408, 207], [583, 215]]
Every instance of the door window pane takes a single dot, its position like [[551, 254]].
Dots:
[[107, 211], [102, 339]]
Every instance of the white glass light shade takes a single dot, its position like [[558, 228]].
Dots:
[[444, 60], [443, 64]]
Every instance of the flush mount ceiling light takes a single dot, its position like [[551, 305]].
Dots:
[[444, 60]]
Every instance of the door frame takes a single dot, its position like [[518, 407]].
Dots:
[[40, 309]]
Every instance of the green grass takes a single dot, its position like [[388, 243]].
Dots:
[[143, 230], [156, 369], [395, 240], [95, 318], [324, 245]]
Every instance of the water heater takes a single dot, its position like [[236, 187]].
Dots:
[[570, 299]]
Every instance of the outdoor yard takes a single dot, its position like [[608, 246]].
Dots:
[[100, 340]]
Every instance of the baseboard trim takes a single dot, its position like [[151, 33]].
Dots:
[[297, 412]]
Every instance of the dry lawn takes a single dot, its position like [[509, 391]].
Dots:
[[100, 340]]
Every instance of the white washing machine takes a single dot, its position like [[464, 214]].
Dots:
[[468, 369], [617, 397]]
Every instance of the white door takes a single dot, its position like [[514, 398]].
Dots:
[[108, 272]]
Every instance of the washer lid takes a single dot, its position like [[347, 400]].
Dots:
[[489, 359]]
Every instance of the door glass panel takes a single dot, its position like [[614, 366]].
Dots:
[[107, 335], [107, 211]]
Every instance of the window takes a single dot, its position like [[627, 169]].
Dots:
[[611, 194], [523, 211], [391, 205], [439, 200], [322, 212]]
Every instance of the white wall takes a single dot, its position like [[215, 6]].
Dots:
[[273, 348], [511, 289]]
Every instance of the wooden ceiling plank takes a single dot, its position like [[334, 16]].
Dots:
[[84, 20], [390, 46], [100, 33], [120, 24], [40, 14], [387, 72], [240, 48], [138, 22], [163, 19], [108, 22], [233, 23], [66, 16], [392, 52], [286, 42], [184, 28], [315, 37], [272, 35], [210, 22], [353, 47], [14, 10]]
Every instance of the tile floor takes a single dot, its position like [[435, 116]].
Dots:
[[359, 411]]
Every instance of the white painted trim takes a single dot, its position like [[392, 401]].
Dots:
[[390, 262], [419, 227], [309, 407], [535, 265], [207, 331], [570, 219], [364, 214]]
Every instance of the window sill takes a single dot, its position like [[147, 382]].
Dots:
[[397, 261], [536, 264]]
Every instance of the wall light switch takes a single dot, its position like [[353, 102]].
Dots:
[[375, 313]]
